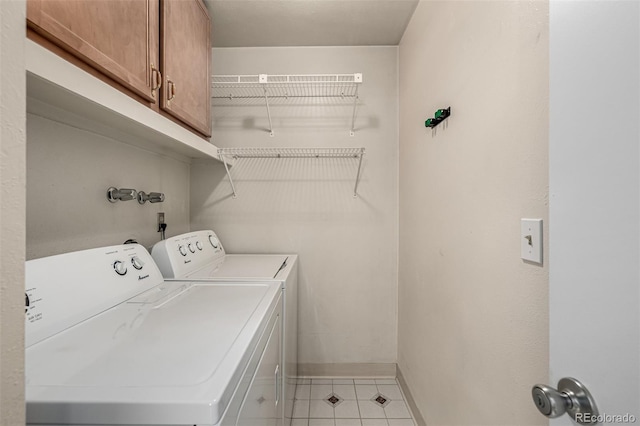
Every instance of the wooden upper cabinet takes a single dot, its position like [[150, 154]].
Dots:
[[117, 37], [159, 51], [186, 62]]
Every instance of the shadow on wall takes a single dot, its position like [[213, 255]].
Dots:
[[317, 123], [302, 187], [302, 114]]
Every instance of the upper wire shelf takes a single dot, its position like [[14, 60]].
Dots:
[[291, 152], [263, 86], [236, 153], [285, 86]]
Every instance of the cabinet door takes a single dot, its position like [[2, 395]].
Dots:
[[261, 405], [117, 37], [186, 61]]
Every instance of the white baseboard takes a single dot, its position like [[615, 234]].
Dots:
[[351, 370], [417, 415]]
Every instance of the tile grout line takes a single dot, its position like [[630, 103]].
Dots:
[[383, 408], [334, 407], [357, 402]]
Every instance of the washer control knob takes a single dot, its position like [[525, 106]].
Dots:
[[199, 245], [182, 250], [120, 267], [191, 249], [214, 241], [137, 262]]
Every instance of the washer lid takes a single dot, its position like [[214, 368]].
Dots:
[[173, 362], [242, 266]]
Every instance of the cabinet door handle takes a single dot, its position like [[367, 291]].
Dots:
[[172, 90], [156, 80]]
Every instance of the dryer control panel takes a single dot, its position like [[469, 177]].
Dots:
[[180, 255]]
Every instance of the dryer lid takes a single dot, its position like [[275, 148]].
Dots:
[[242, 266]]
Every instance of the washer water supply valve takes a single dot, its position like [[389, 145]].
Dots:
[[152, 197], [125, 194], [122, 194]]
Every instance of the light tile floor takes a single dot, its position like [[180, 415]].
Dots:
[[350, 402]]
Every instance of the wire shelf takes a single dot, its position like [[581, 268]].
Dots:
[[291, 152], [283, 87], [236, 153]]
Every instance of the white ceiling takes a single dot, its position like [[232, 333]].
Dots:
[[253, 23]]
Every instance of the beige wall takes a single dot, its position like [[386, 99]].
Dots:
[[347, 246], [473, 317], [12, 206], [68, 173]]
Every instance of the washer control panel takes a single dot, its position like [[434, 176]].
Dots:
[[63, 290], [180, 255]]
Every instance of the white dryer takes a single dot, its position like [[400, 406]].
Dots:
[[109, 342], [200, 256]]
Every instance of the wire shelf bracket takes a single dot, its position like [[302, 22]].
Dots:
[[264, 86], [236, 153]]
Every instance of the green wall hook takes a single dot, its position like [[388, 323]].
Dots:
[[439, 116]]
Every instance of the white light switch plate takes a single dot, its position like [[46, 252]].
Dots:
[[531, 240]]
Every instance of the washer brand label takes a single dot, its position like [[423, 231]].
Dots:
[[36, 316], [142, 277]]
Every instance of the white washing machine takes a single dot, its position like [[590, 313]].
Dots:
[[109, 342], [200, 256]]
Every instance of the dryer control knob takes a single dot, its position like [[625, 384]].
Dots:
[[199, 245], [214, 241], [191, 249], [137, 263], [120, 267], [182, 250]]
